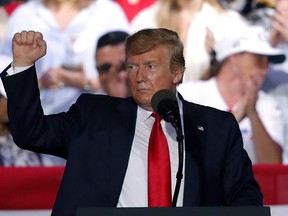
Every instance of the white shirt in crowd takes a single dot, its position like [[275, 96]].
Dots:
[[207, 93]]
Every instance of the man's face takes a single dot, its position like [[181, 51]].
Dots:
[[111, 68], [149, 72]]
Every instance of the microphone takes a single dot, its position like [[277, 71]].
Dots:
[[164, 104]]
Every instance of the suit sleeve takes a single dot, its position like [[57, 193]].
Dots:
[[30, 128], [241, 189]]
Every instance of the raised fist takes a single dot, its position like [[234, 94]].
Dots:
[[27, 47]]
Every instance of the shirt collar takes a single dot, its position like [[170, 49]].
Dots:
[[143, 114]]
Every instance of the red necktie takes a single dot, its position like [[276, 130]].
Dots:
[[159, 172]]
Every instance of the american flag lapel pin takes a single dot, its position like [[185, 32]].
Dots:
[[200, 128]]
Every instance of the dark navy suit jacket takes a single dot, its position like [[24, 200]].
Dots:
[[96, 134]]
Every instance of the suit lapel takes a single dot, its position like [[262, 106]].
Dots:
[[122, 134]]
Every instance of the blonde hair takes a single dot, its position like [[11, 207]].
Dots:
[[55, 4], [167, 14]]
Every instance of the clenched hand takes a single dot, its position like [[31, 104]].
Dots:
[[27, 47]]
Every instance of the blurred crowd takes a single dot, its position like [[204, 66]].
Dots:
[[235, 53]]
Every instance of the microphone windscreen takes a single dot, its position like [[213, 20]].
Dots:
[[160, 97]]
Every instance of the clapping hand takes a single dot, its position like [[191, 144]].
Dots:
[[247, 106]]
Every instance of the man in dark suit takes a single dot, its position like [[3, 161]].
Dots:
[[105, 139]]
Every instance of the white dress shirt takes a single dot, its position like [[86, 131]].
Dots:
[[135, 189]]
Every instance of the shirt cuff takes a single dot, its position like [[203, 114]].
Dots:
[[14, 70]]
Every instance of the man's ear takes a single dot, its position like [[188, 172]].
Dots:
[[178, 75]]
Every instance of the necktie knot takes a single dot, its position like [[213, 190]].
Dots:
[[157, 118], [154, 115]]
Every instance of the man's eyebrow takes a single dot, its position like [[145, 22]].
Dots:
[[149, 60]]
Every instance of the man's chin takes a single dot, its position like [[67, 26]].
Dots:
[[143, 100]]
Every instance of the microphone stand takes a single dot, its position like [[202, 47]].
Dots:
[[165, 105], [176, 123]]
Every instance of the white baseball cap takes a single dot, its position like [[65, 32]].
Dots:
[[251, 39]]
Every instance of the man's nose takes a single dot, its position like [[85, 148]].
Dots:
[[141, 74], [264, 67]]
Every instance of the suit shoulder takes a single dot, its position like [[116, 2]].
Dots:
[[102, 100], [207, 112], [98, 97]]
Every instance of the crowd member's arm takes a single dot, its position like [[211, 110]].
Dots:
[[267, 150], [59, 77], [279, 30]]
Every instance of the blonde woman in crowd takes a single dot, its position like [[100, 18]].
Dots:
[[198, 22], [71, 28]]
